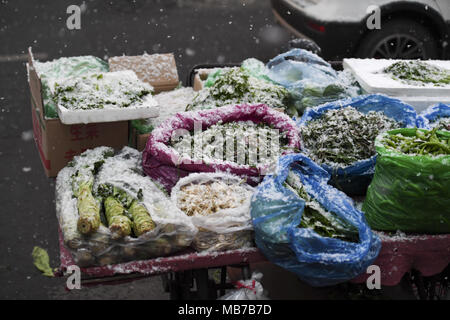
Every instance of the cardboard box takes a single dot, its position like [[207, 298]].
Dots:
[[159, 70], [58, 143]]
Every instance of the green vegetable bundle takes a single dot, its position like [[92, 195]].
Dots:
[[410, 190], [124, 213], [317, 218], [88, 207]]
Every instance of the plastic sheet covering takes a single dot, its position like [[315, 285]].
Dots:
[[173, 231], [409, 192]]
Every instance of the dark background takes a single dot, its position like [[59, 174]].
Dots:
[[214, 31]]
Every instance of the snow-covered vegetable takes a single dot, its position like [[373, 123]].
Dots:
[[237, 86], [441, 123], [344, 136], [137, 219], [118, 222], [107, 90], [317, 218], [211, 197], [214, 142], [418, 73], [55, 70], [219, 206], [142, 222]]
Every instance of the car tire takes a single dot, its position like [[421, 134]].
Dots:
[[399, 39]]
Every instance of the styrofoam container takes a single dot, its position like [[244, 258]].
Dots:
[[148, 109], [368, 73]]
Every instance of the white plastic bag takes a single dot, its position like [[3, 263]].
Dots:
[[225, 229], [247, 289]]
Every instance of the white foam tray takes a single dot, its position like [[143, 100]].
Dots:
[[368, 72], [148, 109]]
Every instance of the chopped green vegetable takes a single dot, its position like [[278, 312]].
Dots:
[[42, 261], [315, 217], [418, 73], [120, 89], [344, 136], [232, 141]]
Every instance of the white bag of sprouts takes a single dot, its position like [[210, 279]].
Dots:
[[109, 212], [218, 204]]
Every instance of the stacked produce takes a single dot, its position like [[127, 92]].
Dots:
[[109, 212], [418, 73], [166, 159], [53, 71], [120, 89], [343, 136], [235, 86], [219, 206], [410, 190], [212, 144], [308, 227], [340, 136]]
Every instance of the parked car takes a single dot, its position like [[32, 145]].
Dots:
[[410, 29]]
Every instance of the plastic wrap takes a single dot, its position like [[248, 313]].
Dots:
[[430, 116], [163, 164], [226, 228], [277, 212], [173, 230], [355, 178], [310, 80], [409, 192]]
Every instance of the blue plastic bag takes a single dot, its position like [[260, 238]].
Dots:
[[310, 80], [431, 114], [354, 179], [276, 214]]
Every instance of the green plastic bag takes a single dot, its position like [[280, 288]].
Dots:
[[410, 193]]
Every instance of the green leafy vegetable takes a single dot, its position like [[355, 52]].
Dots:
[[42, 261]]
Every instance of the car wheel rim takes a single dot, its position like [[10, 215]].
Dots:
[[399, 46]]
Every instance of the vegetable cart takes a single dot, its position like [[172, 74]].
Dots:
[[421, 261], [179, 272]]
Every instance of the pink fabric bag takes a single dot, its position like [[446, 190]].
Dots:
[[159, 159]]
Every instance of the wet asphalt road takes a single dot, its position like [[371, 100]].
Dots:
[[196, 31]]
